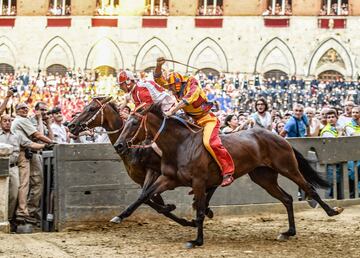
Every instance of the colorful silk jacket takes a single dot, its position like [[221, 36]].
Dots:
[[192, 94]]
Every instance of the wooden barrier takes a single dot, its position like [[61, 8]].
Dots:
[[88, 182]]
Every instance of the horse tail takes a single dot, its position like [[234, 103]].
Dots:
[[310, 174]]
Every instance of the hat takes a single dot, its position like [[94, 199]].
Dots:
[[56, 110], [21, 105]]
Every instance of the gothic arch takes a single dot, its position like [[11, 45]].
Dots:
[[56, 51], [208, 53], [8, 52], [98, 57], [314, 68], [150, 50], [275, 55]]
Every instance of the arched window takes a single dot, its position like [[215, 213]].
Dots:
[[278, 7], [59, 7], [335, 7], [330, 75], [8, 7], [56, 69], [275, 74], [210, 7], [156, 7], [6, 68]]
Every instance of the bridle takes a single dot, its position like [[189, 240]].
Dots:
[[84, 125], [161, 129], [143, 124]]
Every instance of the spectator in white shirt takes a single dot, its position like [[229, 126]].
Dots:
[[59, 130], [346, 117]]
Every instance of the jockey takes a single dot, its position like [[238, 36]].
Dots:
[[192, 99], [145, 92]]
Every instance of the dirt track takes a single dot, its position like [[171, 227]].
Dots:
[[242, 236]]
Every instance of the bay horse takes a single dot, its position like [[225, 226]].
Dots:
[[185, 162], [142, 165]]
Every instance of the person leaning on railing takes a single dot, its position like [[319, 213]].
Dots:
[[297, 125], [17, 142], [352, 128], [23, 127], [331, 131]]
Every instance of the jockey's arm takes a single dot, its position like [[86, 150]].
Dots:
[[158, 76], [177, 107]]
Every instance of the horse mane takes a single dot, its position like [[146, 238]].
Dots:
[[113, 105], [156, 109]]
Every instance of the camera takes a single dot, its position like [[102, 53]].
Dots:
[[28, 154], [13, 89]]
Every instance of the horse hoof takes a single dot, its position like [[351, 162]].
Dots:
[[190, 244], [170, 207], [210, 214], [116, 220], [282, 237], [338, 210]]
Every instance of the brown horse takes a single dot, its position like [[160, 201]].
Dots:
[[142, 165], [185, 162]]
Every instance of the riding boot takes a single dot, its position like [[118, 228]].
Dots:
[[227, 180]]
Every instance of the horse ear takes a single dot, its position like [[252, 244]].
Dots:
[[106, 100]]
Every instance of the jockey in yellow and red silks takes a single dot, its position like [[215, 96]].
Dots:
[[193, 101]]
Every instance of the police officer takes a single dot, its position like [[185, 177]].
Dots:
[[22, 126], [8, 137]]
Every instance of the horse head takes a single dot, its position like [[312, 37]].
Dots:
[[93, 115], [135, 129]]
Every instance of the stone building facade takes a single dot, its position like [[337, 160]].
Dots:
[[241, 40]]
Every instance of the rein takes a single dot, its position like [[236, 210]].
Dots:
[[162, 127], [84, 126]]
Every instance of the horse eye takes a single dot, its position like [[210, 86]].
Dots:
[[91, 109]]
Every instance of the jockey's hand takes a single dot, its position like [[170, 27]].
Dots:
[[160, 60], [168, 113]]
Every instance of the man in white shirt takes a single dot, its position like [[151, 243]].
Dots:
[[346, 117], [59, 130]]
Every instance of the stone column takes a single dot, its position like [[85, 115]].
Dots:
[[5, 151]]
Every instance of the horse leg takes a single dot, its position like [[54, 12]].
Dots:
[[210, 192], [156, 202], [267, 179], [311, 192], [161, 184], [150, 178], [200, 203]]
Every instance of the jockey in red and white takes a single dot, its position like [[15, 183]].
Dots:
[[144, 91]]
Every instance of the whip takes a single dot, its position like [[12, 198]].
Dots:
[[177, 62]]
